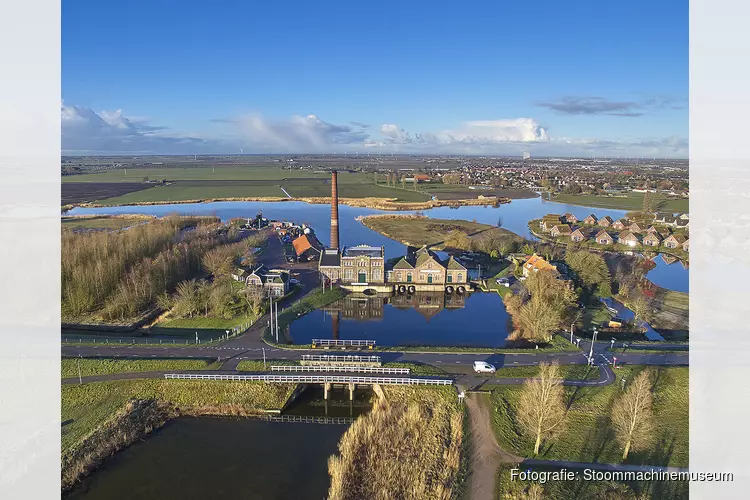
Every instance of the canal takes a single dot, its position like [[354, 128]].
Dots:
[[230, 458]]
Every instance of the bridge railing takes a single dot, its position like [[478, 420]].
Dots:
[[342, 368], [309, 419], [342, 343], [334, 358], [311, 379]]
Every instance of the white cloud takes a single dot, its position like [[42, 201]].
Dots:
[[87, 131]]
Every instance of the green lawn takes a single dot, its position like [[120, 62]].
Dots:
[[106, 366], [85, 407], [199, 323], [588, 436], [238, 173], [420, 231], [568, 372], [630, 201], [179, 192], [256, 365]]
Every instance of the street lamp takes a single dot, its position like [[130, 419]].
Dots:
[[612, 345], [78, 362], [591, 350]]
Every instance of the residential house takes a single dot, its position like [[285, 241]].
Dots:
[[560, 230], [684, 216], [606, 221], [681, 223], [549, 221], [661, 218], [239, 274], [627, 238], [570, 218], [536, 263], [604, 238], [635, 228], [307, 247], [686, 245], [590, 220], [674, 240], [577, 235], [670, 220], [620, 225], [652, 239], [275, 282], [423, 266]]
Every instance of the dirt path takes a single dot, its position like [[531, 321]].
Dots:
[[486, 454]]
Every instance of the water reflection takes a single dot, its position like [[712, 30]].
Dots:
[[423, 318]]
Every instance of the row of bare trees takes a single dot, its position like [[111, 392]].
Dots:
[[542, 410]]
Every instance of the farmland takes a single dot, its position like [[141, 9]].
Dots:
[[631, 201], [187, 184]]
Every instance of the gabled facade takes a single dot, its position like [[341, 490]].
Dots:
[[560, 230], [674, 241], [535, 263], [274, 282], [604, 238], [549, 221], [577, 235], [620, 225], [606, 221], [652, 239], [635, 227], [686, 245], [363, 264], [570, 218], [627, 238], [590, 220], [424, 267]]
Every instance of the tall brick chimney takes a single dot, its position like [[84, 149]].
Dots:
[[334, 211]]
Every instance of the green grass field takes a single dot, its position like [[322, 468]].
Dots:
[[568, 372], [630, 201], [241, 182], [256, 365], [431, 232], [588, 436], [85, 407], [199, 323], [100, 222], [70, 366]]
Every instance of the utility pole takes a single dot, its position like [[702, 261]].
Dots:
[[264, 358], [277, 322], [196, 338], [80, 380]]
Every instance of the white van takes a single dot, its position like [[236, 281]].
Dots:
[[482, 367]]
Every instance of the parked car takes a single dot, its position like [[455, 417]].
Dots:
[[483, 367], [294, 281], [503, 281]]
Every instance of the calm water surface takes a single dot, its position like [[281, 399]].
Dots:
[[513, 216], [219, 458], [479, 320]]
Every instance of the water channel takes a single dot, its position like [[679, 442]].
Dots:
[[230, 458], [513, 216]]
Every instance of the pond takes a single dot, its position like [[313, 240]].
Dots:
[[420, 319], [219, 458], [513, 216]]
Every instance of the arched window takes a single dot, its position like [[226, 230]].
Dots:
[[460, 277]]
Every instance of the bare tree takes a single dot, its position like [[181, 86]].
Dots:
[[541, 411], [640, 309], [632, 415]]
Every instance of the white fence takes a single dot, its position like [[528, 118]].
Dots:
[[343, 343], [308, 419], [311, 379], [333, 358], [341, 368]]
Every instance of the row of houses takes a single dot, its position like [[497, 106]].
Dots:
[[629, 233]]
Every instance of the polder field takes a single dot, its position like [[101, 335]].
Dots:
[[457, 192], [127, 186]]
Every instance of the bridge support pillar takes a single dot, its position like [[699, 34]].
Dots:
[[351, 391], [326, 389], [378, 391]]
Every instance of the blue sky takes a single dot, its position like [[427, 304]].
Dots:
[[485, 77]]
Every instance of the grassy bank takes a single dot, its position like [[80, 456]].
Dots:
[[255, 365], [85, 407], [102, 222], [568, 372], [418, 231], [630, 201], [107, 366], [508, 488], [588, 435], [427, 426]]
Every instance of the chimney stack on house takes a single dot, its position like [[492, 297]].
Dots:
[[334, 211]]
